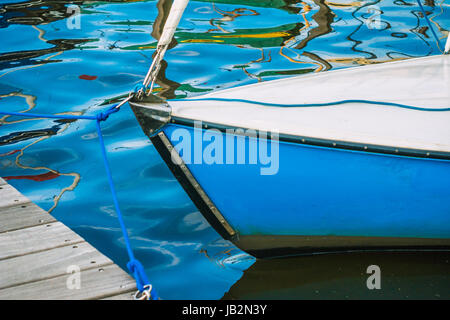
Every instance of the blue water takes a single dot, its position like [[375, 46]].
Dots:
[[46, 67]]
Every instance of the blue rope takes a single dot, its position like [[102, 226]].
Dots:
[[140, 87], [429, 25], [312, 105], [50, 116], [133, 265]]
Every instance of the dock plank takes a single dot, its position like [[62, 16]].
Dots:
[[122, 296], [36, 251], [23, 216], [9, 196], [92, 286], [50, 263], [34, 239]]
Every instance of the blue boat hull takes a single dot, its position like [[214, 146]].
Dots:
[[320, 198]]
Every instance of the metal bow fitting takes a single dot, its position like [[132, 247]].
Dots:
[[145, 294]]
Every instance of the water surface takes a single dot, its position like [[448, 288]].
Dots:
[[47, 66]]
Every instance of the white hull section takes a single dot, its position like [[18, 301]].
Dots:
[[420, 82]]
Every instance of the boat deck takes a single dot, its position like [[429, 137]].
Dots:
[[416, 116], [38, 254]]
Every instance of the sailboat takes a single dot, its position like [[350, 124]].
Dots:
[[349, 159]]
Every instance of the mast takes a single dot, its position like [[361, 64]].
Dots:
[[176, 11]]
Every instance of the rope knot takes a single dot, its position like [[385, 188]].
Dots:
[[102, 116], [135, 266], [142, 282]]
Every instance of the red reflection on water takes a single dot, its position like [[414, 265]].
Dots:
[[37, 177], [87, 77], [9, 153]]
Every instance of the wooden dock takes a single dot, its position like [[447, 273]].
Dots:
[[38, 256]]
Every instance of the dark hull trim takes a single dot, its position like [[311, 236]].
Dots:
[[417, 153], [265, 246], [192, 188]]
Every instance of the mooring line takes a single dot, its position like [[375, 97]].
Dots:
[[144, 287]]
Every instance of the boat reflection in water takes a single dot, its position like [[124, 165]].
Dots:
[[403, 275], [260, 40]]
